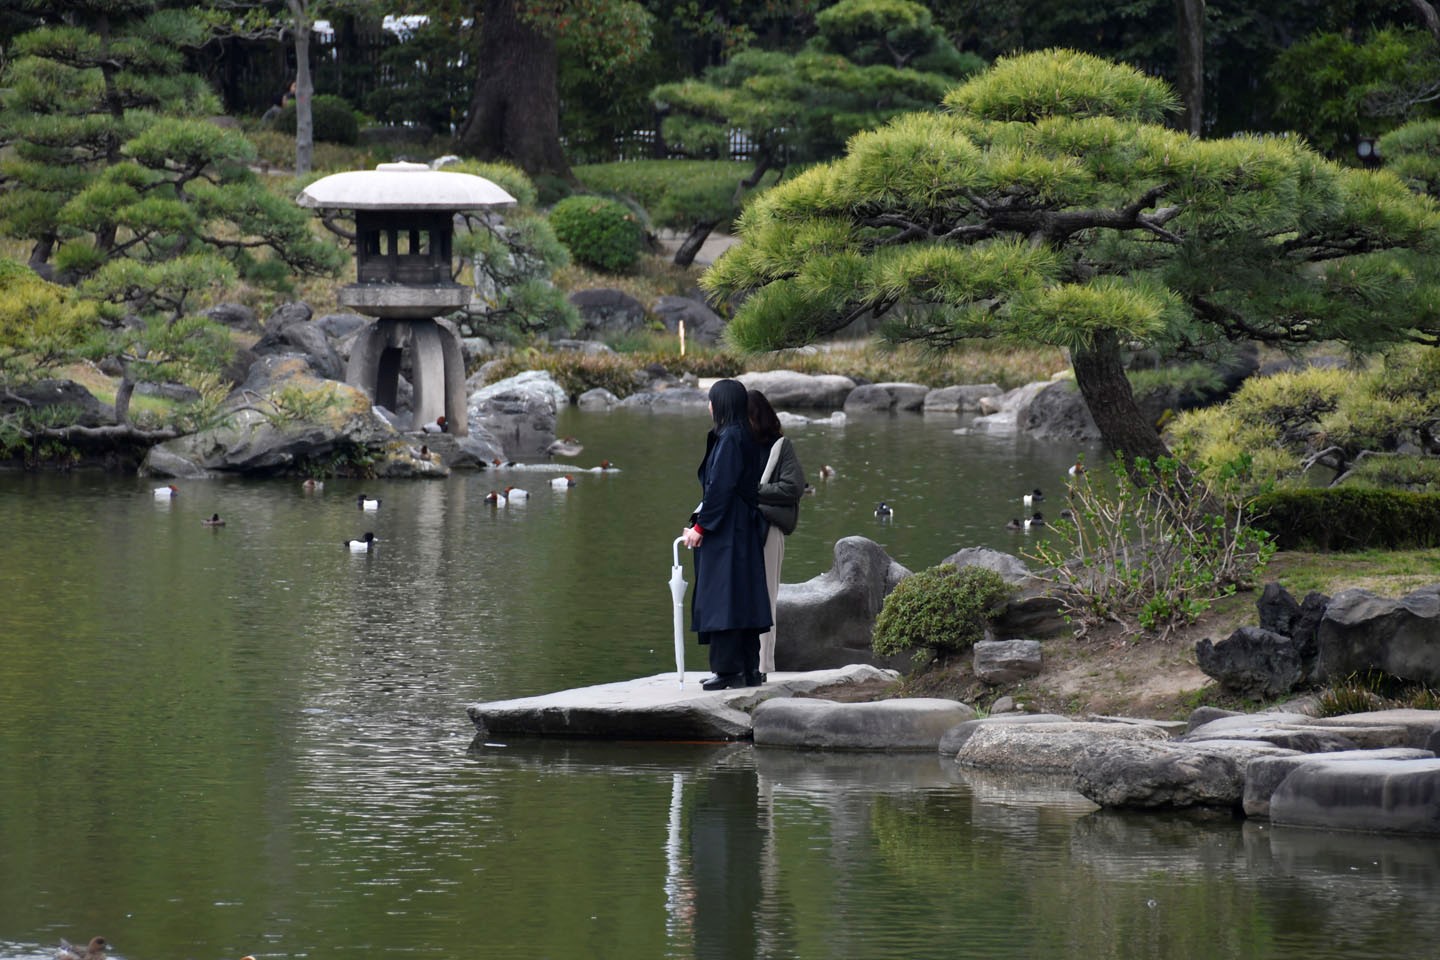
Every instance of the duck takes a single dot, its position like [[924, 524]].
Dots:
[[167, 492], [826, 471], [435, 426], [365, 502], [884, 511], [516, 494], [498, 499], [362, 545], [1014, 524], [214, 521], [423, 453], [606, 465], [563, 483], [1077, 468], [1033, 497], [312, 485], [565, 447], [1035, 522], [1067, 515], [809, 490], [95, 950]]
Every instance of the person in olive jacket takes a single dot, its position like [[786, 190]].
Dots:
[[782, 487], [730, 606]]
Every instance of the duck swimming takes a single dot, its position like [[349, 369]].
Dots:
[[563, 483], [362, 545], [1033, 497], [1035, 522], [367, 503], [312, 485], [168, 492], [884, 511], [1014, 524], [826, 471], [516, 494], [95, 950], [214, 521], [498, 499], [1077, 469]]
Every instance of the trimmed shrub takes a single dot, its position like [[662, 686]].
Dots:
[[333, 118], [677, 193], [1349, 518], [604, 234], [942, 608], [506, 176]]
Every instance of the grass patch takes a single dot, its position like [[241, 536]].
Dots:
[[1386, 572]]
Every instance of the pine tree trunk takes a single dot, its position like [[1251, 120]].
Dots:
[[514, 110], [686, 254], [1100, 374], [122, 398]]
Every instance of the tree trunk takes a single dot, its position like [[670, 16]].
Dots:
[[686, 254], [122, 398], [1190, 75], [514, 110], [304, 90], [1101, 377]]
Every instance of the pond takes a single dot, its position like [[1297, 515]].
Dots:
[[246, 740]]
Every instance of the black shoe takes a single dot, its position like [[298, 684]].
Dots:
[[754, 679], [722, 681]]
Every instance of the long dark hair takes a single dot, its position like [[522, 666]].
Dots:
[[727, 403], [763, 421]]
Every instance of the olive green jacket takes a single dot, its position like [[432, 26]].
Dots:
[[781, 490]]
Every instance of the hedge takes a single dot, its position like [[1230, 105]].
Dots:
[[1350, 518]]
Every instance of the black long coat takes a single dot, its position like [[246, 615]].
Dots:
[[730, 589]]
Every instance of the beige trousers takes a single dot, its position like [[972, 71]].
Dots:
[[774, 555]]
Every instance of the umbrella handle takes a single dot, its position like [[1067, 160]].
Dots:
[[675, 550]]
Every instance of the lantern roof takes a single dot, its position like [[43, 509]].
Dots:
[[402, 186]]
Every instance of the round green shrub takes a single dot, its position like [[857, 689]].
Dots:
[[600, 233], [942, 608], [333, 118]]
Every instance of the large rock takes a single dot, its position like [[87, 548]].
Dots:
[[786, 388], [963, 398], [885, 397], [235, 316], [702, 325], [519, 412], [828, 620], [308, 340], [251, 440], [1264, 775], [82, 406], [1387, 796], [900, 724], [1010, 567], [1058, 412], [1044, 747], [1253, 662], [604, 312], [1003, 414], [656, 708], [1362, 632], [1007, 661], [957, 736], [678, 398], [1149, 775], [1366, 731]]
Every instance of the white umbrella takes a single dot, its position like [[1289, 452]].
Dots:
[[677, 593]]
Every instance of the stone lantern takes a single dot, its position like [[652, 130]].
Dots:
[[404, 228]]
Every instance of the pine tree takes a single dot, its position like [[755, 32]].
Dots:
[[1048, 204]]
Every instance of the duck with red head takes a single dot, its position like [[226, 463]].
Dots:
[[435, 426], [95, 950]]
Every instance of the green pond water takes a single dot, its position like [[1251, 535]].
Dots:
[[245, 740]]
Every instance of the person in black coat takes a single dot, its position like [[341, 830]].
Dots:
[[730, 606]]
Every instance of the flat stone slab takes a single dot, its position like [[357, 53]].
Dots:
[[1386, 796], [1043, 747], [1263, 775], [658, 708], [902, 724]]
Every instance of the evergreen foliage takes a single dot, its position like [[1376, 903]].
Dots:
[[42, 325], [598, 232], [943, 608], [1350, 518], [1046, 205], [334, 120]]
